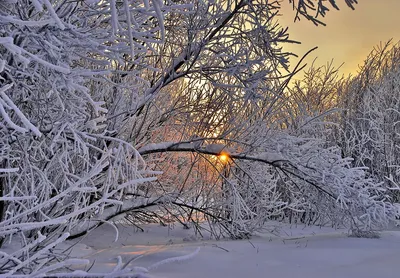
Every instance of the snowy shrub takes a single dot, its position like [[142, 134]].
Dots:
[[319, 181], [364, 234]]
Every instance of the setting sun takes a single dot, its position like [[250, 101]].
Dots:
[[223, 157]]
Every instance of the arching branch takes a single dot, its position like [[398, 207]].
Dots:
[[271, 158]]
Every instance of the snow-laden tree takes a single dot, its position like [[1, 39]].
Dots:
[[219, 64], [236, 103], [369, 123], [61, 164], [316, 184]]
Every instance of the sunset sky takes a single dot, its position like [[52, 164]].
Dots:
[[349, 35]]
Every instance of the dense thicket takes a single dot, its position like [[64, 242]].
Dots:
[[95, 95], [369, 122]]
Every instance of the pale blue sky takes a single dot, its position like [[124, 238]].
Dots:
[[349, 35]]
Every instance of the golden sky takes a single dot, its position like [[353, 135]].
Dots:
[[349, 35]]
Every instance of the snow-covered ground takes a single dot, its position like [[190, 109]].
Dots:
[[297, 252]]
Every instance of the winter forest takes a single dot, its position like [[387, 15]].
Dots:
[[120, 114]]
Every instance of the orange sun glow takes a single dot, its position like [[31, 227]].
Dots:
[[223, 157]]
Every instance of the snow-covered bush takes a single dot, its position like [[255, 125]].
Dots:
[[304, 181]]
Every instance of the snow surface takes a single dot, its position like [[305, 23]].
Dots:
[[296, 252]]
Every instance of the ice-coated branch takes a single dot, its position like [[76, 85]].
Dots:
[[210, 149], [5, 101]]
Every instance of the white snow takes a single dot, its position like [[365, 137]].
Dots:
[[300, 252], [217, 148], [271, 157]]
